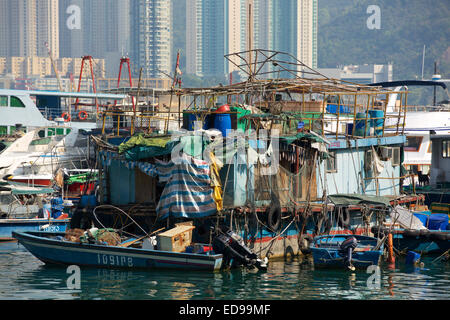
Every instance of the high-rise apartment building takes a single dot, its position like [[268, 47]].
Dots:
[[217, 28], [47, 26], [27, 25], [151, 37], [99, 28]]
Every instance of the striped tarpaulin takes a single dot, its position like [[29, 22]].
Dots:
[[188, 192]]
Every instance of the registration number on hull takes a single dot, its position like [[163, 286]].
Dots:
[[114, 260]]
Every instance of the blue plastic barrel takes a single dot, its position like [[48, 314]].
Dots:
[[333, 108], [360, 125], [193, 117], [377, 124], [412, 257], [222, 122], [438, 221]]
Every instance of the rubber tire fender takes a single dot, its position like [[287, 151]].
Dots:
[[344, 219], [274, 217]]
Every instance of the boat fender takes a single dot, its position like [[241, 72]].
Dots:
[[66, 116], [305, 241], [274, 217], [344, 218], [411, 233], [82, 115]]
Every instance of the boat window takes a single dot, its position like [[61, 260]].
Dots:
[[413, 143], [16, 103], [41, 133], [50, 132], [445, 148], [3, 101], [3, 130], [60, 131], [331, 162]]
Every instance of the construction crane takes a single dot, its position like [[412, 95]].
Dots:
[[54, 66]]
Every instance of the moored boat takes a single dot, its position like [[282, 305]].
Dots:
[[8, 226], [352, 251], [51, 248]]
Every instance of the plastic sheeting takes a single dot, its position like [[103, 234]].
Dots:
[[188, 192], [406, 219]]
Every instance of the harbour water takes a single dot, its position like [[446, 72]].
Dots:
[[26, 278]]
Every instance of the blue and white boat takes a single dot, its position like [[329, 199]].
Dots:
[[51, 248], [8, 226], [20, 211], [352, 251]]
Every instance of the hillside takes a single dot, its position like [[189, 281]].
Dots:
[[406, 26], [343, 38]]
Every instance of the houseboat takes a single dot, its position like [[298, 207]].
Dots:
[[278, 166]]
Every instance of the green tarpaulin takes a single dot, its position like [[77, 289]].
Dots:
[[29, 190], [357, 199], [82, 178], [141, 147], [143, 141], [301, 135]]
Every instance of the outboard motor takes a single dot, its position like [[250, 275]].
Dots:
[[346, 249], [235, 252]]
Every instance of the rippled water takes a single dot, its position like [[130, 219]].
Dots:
[[25, 277]]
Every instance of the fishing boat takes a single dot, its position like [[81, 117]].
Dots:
[[23, 208], [351, 251], [52, 248], [422, 232], [9, 226]]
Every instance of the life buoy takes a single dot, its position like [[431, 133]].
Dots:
[[274, 217], [82, 115], [344, 218], [66, 116]]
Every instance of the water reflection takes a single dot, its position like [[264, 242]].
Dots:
[[25, 277]]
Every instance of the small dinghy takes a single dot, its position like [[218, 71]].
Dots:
[[350, 251]]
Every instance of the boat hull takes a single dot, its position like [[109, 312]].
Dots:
[[8, 226], [331, 258], [424, 244], [326, 251], [53, 251]]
